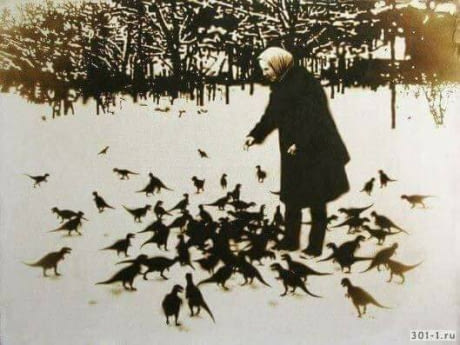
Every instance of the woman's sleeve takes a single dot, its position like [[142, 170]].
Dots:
[[267, 123]]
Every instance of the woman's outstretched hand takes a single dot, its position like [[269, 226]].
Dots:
[[248, 143], [292, 150]]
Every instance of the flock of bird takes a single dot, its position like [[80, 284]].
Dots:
[[231, 243]]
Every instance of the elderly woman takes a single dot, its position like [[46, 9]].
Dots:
[[313, 155]]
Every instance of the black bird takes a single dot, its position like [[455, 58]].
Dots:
[[121, 246], [379, 234], [199, 184], [71, 225], [359, 297], [160, 211], [241, 205], [202, 153], [248, 271], [290, 279], [350, 247], [354, 212], [354, 224], [195, 297], [127, 275], [398, 268], [303, 271], [183, 252], [171, 304], [368, 186], [236, 192], [384, 179], [248, 217], [181, 205], [221, 202], [51, 260], [345, 249], [209, 262], [382, 257], [223, 181], [100, 203], [160, 236], [154, 227], [416, 199], [344, 260], [159, 264], [257, 253], [154, 185], [39, 179], [67, 214], [205, 215], [158, 184], [181, 221], [103, 151], [344, 254], [148, 189], [261, 175], [124, 173], [220, 277], [385, 223], [278, 218], [138, 213]]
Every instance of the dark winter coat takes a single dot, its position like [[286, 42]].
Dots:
[[298, 108]]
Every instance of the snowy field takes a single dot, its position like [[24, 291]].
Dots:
[[71, 310]]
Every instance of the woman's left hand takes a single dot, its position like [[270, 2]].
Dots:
[[292, 150]]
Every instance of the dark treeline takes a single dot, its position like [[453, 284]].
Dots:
[[56, 53]]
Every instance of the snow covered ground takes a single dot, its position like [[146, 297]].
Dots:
[[72, 310]]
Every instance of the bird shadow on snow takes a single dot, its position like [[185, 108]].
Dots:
[[54, 278], [117, 291], [272, 303], [70, 236], [183, 328], [296, 295]]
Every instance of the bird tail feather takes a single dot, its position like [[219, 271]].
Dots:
[[205, 307], [259, 278], [34, 264], [304, 288], [109, 281], [206, 281]]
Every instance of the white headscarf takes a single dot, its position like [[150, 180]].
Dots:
[[278, 59]]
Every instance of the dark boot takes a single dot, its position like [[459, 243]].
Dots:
[[293, 223], [318, 230]]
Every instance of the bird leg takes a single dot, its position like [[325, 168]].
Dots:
[[285, 290], [403, 279], [359, 311], [391, 277]]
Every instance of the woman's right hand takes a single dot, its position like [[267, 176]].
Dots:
[[248, 143]]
